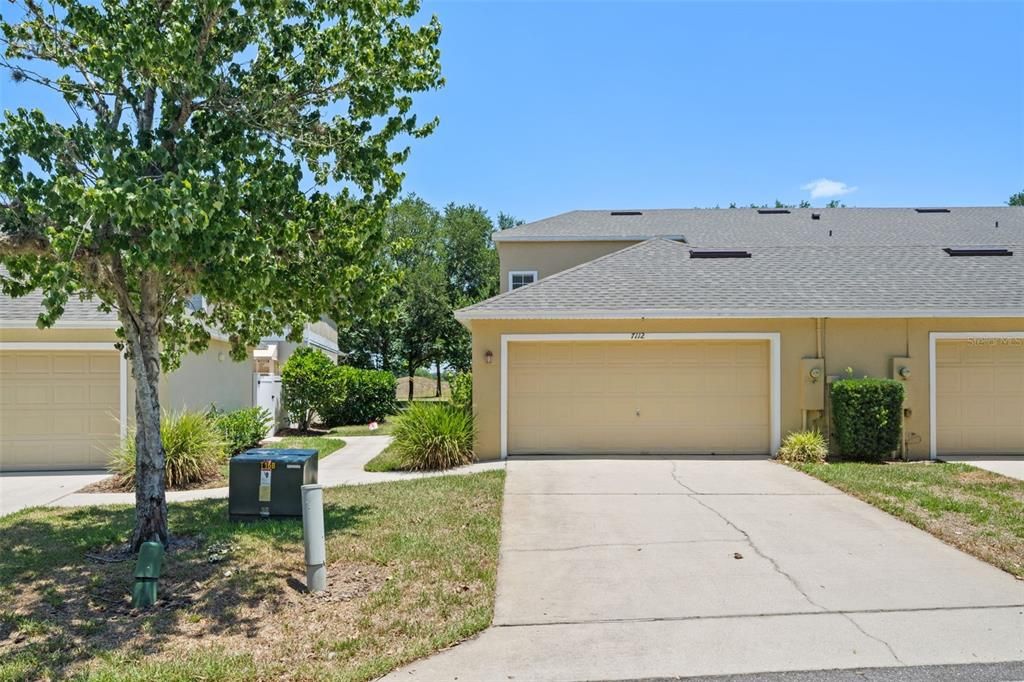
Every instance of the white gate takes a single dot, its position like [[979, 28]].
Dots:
[[267, 389]]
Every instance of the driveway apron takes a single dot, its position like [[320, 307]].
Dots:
[[633, 567]]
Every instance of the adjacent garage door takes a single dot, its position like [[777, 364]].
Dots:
[[58, 410], [638, 397], [979, 397]]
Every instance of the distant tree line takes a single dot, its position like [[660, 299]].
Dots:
[[433, 263]]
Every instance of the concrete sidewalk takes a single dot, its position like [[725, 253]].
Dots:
[[343, 467], [19, 490], [1010, 465], [639, 568]]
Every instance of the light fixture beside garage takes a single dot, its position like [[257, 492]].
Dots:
[[488, 357]]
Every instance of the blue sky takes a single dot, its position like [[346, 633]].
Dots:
[[554, 106]]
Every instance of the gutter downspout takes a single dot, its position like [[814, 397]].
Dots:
[[820, 340]]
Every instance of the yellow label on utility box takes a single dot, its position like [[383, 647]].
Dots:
[[265, 484]]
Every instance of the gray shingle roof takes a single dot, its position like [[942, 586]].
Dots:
[[657, 278], [26, 309], [746, 227]]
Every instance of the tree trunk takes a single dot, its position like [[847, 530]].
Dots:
[[412, 376], [150, 500], [438, 364], [385, 355]]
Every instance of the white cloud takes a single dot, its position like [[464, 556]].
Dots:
[[823, 187]]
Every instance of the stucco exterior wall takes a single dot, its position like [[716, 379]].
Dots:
[[547, 258], [210, 378], [868, 346]]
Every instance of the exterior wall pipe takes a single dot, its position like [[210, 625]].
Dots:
[[313, 536]]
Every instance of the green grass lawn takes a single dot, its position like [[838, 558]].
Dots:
[[387, 460], [977, 511], [412, 570], [326, 446], [383, 429]]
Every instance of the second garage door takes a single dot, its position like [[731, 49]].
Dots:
[[979, 397], [638, 397], [58, 410]]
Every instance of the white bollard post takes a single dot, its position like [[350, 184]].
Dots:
[[313, 534]]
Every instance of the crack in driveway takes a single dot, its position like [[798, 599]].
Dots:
[[781, 614], [775, 564]]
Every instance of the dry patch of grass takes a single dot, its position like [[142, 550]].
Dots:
[[412, 570], [976, 511], [422, 388]]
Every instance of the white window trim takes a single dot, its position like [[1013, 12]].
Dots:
[[513, 273], [933, 337], [775, 369], [87, 346]]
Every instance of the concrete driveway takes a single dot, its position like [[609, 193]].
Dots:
[[657, 567], [1009, 465], [19, 490]]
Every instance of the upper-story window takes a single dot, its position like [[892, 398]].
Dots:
[[520, 278]]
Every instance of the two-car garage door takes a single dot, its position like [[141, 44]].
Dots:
[[58, 409], [639, 397]]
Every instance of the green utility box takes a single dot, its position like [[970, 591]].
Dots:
[[267, 484]]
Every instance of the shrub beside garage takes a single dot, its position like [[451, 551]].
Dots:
[[868, 417]]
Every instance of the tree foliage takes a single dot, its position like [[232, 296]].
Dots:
[[1016, 199], [436, 263], [204, 133]]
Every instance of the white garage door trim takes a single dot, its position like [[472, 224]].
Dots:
[[775, 355], [57, 346], [934, 337]]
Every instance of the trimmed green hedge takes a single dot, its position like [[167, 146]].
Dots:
[[868, 415], [311, 386], [369, 396]]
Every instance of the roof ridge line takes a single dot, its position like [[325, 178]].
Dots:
[[560, 273]]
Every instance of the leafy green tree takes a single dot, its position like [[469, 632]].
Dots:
[[423, 314], [471, 270], [411, 238], [403, 328], [203, 134], [1016, 199], [507, 222]]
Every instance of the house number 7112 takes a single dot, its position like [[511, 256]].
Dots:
[[636, 335]]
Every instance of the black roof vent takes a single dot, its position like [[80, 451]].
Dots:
[[627, 212], [932, 210], [719, 253], [815, 216], [772, 211], [976, 251]]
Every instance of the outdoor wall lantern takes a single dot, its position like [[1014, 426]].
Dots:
[[904, 372], [488, 357]]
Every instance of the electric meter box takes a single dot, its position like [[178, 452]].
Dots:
[[266, 483]]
